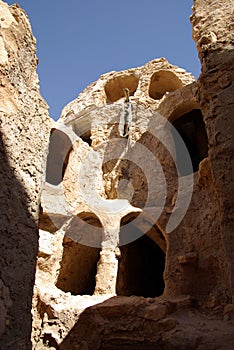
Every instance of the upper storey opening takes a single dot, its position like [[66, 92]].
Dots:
[[161, 82], [191, 129], [59, 151], [114, 87]]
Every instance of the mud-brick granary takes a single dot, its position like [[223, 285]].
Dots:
[[117, 220]]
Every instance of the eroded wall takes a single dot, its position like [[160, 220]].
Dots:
[[198, 252], [191, 257], [214, 36], [24, 133]]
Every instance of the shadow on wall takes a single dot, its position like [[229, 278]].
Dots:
[[117, 323], [18, 254]]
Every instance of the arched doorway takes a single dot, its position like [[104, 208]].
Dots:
[[141, 264], [78, 266]]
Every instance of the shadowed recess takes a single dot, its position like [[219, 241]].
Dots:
[[78, 268], [141, 267], [57, 160], [191, 128]]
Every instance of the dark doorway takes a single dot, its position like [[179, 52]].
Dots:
[[191, 128], [141, 267]]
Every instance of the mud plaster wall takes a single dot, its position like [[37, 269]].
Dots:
[[24, 133]]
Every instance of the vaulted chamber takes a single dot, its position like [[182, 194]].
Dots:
[[78, 266]]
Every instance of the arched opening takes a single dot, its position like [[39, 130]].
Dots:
[[191, 128], [78, 266], [161, 82], [114, 87], [141, 266], [82, 128], [59, 150]]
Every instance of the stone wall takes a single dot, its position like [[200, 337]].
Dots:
[[214, 35], [90, 278], [104, 167], [24, 133], [95, 185]]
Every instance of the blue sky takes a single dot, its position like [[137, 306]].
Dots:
[[77, 41]]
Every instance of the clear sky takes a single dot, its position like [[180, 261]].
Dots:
[[78, 40]]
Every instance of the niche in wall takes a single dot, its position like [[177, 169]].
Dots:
[[78, 266], [161, 82], [114, 87]]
